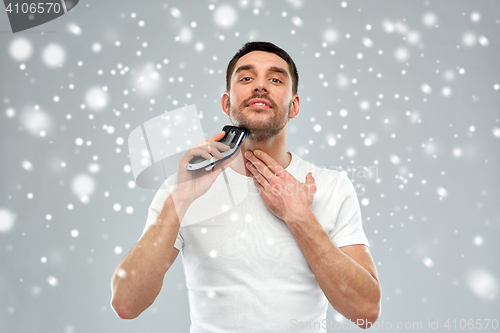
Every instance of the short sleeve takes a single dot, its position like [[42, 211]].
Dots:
[[155, 209], [348, 227]]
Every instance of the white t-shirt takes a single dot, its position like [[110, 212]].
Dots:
[[244, 270]]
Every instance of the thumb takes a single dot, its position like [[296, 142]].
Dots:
[[311, 182], [310, 179]]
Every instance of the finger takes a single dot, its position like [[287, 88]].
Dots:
[[199, 151], [259, 187], [259, 165], [217, 137], [209, 148], [202, 149], [199, 144], [219, 146], [270, 169], [213, 148], [262, 190], [213, 142], [258, 175], [269, 162]]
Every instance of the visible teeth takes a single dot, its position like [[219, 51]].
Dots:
[[259, 103]]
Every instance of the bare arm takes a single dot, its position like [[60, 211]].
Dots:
[[346, 275], [138, 278]]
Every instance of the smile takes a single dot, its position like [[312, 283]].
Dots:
[[259, 104]]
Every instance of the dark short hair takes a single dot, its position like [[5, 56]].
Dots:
[[266, 47]]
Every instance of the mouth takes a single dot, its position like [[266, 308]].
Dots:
[[259, 104]]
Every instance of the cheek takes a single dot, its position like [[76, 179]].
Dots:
[[233, 99]]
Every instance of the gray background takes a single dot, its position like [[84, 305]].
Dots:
[[430, 213]]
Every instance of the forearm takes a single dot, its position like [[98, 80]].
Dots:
[[138, 278], [348, 286]]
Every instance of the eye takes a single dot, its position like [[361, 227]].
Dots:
[[275, 80], [246, 79]]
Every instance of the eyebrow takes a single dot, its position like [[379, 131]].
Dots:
[[272, 69]]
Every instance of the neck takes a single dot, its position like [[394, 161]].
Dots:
[[274, 147]]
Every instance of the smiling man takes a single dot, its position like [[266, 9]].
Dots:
[[273, 262]]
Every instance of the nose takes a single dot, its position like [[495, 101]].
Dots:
[[261, 86]]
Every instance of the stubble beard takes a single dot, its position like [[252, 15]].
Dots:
[[258, 131]]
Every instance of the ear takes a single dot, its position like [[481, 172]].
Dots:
[[294, 110], [224, 102]]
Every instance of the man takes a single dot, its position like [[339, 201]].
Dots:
[[271, 263]]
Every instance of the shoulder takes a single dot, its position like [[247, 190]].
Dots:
[[164, 191]]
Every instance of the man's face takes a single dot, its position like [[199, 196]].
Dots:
[[261, 96]]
